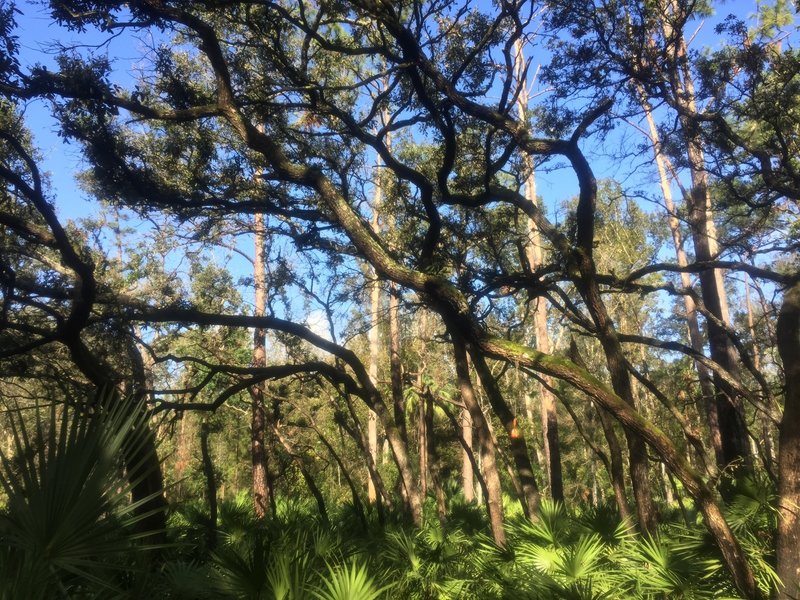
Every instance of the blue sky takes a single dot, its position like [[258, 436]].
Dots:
[[62, 161]]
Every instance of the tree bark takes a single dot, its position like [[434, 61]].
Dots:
[[519, 449], [734, 441], [695, 336], [534, 254], [589, 289], [788, 538], [395, 364], [258, 422], [211, 486], [467, 471], [494, 492]]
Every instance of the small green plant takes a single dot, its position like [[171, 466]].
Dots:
[[68, 523]]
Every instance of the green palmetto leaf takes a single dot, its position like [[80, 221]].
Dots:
[[68, 510], [666, 569], [583, 560], [351, 582], [554, 526], [189, 581]]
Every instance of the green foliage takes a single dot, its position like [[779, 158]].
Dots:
[[348, 583], [68, 521]]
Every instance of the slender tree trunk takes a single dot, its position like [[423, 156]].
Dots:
[[211, 486], [362, 442], [433, 458], [466, 448], [422, 446], [549, 416], [735, 447], [589, 289], [766, 425], [374, 338], [519, 449], [258, 423], [695, 336], [494, 492], [374, 351], [788, 538], [310, 483], [616, 472], [733, 431], [395, 364], [467, 472], [616, 464], [357, 504]]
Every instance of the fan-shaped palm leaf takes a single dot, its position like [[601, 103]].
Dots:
[[69, 513]]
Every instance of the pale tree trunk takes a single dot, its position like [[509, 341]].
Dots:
[[788, 539], [549, 416], [258, 425], [695, 336], [374, 340], [374, 354], [488, 455], [516, 439], [735, 448], [467, 472], [422, 439]]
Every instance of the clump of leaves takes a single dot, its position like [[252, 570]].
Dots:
[[68, 523]]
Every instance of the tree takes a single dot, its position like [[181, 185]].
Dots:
[[231, 69]]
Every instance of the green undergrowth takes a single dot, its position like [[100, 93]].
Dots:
[[68, 530], [583, 554]]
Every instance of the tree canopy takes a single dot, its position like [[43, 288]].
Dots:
[[333, 227]]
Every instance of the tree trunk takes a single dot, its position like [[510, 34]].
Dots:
[[616, 465], [395, 364], [494, 492], [734, 441], [258, 423], [549, 416], [519, 449], [788, 538], [357, 433], [586, 282], [433, 458], [695, 336], [374, 355], [310, 483], [357, 504], [467, 472], [422, 439], [211, 486], [374, 323]]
